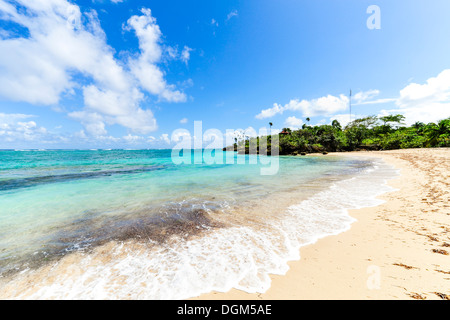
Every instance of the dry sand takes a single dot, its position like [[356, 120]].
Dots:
[[398, 250]]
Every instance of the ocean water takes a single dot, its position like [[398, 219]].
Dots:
[[132, 224]]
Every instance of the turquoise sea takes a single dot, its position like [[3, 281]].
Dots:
[[132, 224]]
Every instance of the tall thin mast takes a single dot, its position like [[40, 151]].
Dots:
[[350, 105]]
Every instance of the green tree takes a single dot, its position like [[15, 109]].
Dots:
[[330, 137], [365, 132], [393, 119], [336, 125], [438, 134], [366, 122], [418, 125]]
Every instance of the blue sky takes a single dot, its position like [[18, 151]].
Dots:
[[126, 74]]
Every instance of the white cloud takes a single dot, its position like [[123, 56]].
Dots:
[[377, 101], [144, 68], [133, 139], [293, 122], [15, 128], [27, 75], [171, 52], [141, 121], [184, 120], [214, 22], [232, 14], [268, 113], [111, 102], [367, 97], [9, 118], [148, 33], [65, 45], [39, 69], [165, 137], [250, 132], [435, 90], [426, 113], [93, 122], [80, 135], [322, 106], [186, 54], [363, 96], [179, 135], [428, 102]]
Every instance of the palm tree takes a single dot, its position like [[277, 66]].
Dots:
[[435, 131], [418, 125], [335, 124]]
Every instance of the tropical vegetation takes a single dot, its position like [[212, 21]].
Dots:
[[369, 133]]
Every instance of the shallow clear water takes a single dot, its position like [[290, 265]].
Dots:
[[181, 229]]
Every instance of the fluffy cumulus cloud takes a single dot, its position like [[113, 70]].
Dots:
[[435, 90], [427, 102], [92, 122], [323, 106], [144, 67], [23, 128], [133, 139], [293, 122], [62, 45]]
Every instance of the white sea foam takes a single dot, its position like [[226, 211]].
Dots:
[[241, 257]]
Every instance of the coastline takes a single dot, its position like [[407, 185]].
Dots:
[[397, 250]]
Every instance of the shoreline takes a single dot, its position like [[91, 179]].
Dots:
[[397, 250]]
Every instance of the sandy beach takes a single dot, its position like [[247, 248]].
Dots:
[[398, 250]]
